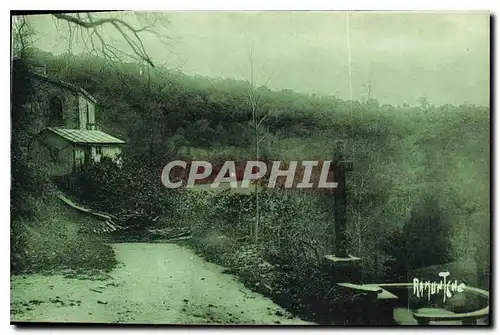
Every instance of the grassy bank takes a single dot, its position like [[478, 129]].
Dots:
[[49, 239]]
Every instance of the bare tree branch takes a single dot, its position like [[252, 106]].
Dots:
[[264, 136], [78, 21], [22, 36], [262, 120], [70, 38], [129, 33]]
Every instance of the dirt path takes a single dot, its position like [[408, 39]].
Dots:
[[154, 283]]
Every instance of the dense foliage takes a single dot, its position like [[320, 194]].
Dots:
[[404, 155], [418, 195]]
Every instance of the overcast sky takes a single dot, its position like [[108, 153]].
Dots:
[[444, 56]]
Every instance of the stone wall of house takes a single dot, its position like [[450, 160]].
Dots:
[[41, 107], [56, 154]]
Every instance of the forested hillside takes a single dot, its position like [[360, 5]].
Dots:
[[418, 195]]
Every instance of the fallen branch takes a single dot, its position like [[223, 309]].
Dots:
[[179, 238]]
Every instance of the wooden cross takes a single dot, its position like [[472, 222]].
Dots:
[[340, 167]]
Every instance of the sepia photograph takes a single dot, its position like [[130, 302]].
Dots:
[[244, 168]]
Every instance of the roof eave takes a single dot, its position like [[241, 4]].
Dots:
[[88, 95], [65, 85], [54, 131], [98, 143]]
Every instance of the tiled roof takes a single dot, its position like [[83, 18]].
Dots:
[[86, 136]]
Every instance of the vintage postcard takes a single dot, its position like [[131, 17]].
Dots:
[[251, 168]]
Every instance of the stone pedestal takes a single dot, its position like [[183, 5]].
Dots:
[[364, 304], [343, 269]]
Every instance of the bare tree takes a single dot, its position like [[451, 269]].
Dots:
[[22, 36], [258, 117], [89, 27]]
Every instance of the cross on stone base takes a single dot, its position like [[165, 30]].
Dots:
[[342, 261], [372, 304], [339, 166]]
